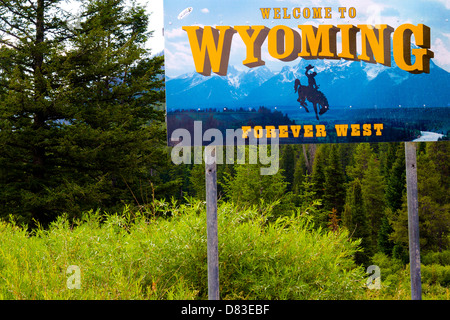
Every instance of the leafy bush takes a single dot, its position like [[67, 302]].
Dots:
[[436, 274], [287, 259], [442, 258], [133, 256]]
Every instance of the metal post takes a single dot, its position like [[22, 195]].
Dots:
[[413, 220], [211, 223]]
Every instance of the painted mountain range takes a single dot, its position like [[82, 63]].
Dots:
[[345, 83]]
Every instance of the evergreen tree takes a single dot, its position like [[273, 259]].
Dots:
[[439, 154], [346, 151], [434, 211], [80, 120], [249, 188], [318, 172], [385, 244], [300, 173], [197, 181], [334, 188], [373, 197], [361, 157], [309, 154], [355, 220], [287, 164], [396, 181], [387, 152]]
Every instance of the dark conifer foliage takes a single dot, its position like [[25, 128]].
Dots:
[[80, 115]]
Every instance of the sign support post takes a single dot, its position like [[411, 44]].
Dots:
[[413, 220], [211, 223]]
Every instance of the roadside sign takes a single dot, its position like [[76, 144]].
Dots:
[[310, 73]]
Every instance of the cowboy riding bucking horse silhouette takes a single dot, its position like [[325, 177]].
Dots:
[[311, 92]]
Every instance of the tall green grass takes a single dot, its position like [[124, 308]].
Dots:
[[137, 256]]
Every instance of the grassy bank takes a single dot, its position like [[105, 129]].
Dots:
[[133, 256]]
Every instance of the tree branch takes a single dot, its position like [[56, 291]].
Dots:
[[8, 44], [6, 4], [5, 20]]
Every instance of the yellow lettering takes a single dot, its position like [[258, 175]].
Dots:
[[265, 12], [253, 38], [328, 13], [308, 131], [318, 42], [320, 131], [378, 127], [341, 130], [367, 130], [283, 131], [402, 48], [285, 14], [271, 132], [348, 36], [356, 130], [352, 12], [212, 42], [211, 46], [296, 13], [283, 43], [245, 130], [376, 42], [258, 132], [317, 13], [276, 13], [296, 131], [306, 13]]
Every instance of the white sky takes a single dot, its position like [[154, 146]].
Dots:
[[156, 43]]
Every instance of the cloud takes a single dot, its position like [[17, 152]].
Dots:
[[446, 3], [179, 57], [205, 10], [441, 53], [174, 33]]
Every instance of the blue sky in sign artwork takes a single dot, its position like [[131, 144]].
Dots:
[[433, 13]]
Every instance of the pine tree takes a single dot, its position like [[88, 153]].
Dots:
[[287, 164], [396, 181], [197, 181], [387, 153], [249, 188], [334, 187], [318, 172], [80, 121], [373, 196], [385, 244], [346, 151], [361, 157], [300, 173], [434, 211], [355, 220]]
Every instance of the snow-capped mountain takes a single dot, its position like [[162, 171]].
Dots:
[[344, 83], [194, 90]]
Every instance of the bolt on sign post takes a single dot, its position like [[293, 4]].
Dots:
[[239, 72]]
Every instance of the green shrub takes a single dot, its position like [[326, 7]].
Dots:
[[442, 258], [287, 259], [133, 256], [436, 274]]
